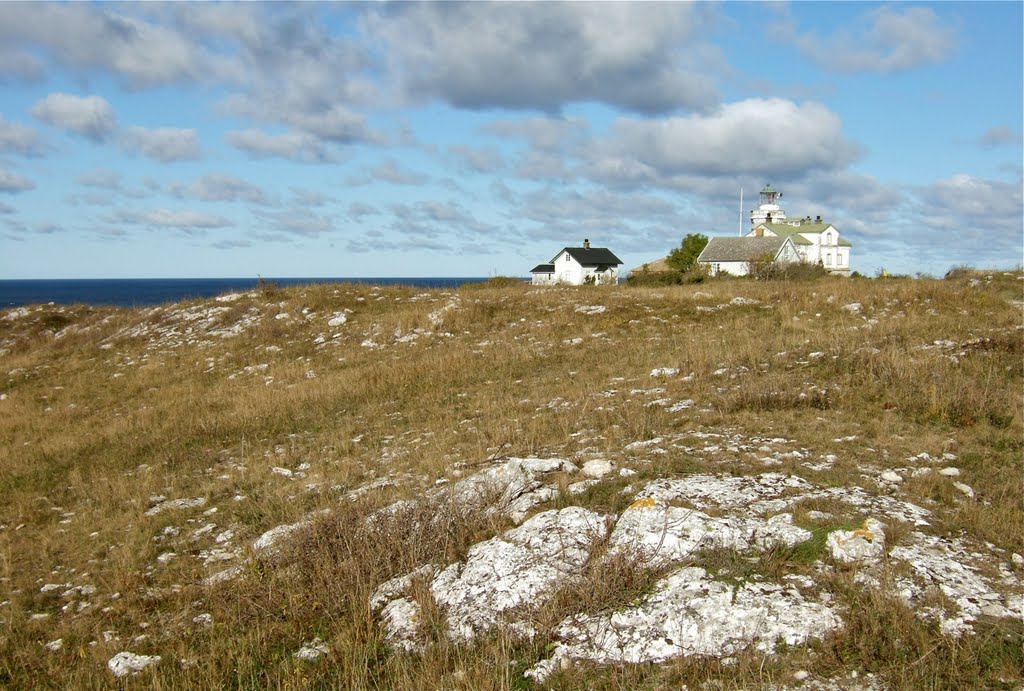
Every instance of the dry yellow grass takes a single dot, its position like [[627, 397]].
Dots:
[[106, 409]]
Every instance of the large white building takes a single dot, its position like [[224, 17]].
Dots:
[[816, 242], [578, 266]]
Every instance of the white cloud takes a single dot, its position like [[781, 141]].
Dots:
[[390, 171], [1000, 136], [101, 178], [225, 188], [755, 136], [478, 159], [295, 146], [90, 116], [88, 37], [12, 182], [19, 139], [645, 57], [164, 144], [298, 221], [884, 40], [182, 219]]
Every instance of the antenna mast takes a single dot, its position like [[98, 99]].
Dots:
[[741, 212]]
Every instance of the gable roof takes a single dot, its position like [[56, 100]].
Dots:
[[787, 230], [591, 255], [784, 230], [543, 269], [741, 249]]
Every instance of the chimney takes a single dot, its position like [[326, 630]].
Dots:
[[586, 244], [769, 220], [817, 219]]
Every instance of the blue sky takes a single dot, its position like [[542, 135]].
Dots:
[[449, 139]]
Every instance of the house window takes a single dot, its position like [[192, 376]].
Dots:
[[828, 260], [714, 269]]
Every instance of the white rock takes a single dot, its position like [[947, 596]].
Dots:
[[691, 614], [966, 489], [597, 467], [944, 564], [800, 675], [662, 534], [739, 300], [283, 472], [1018, 560], [54, 646], [205, 619], [891, 477], [177, 504], [950, 472], [311, 651], [126, 663], [269, 538], [504, 578], [664, 372], [866, 544], [590, 309], [338, 319], [401, 620], [853, 307]]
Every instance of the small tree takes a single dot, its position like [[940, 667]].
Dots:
[[685, 256]]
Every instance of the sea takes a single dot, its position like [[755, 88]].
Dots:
[[140, 292]]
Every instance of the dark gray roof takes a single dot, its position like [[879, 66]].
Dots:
[[543, 269], [592, 255], [740, 249]]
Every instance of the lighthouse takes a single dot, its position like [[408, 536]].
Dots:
[[769, 211]]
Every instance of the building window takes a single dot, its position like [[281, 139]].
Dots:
[[828, 260], [714, 269]]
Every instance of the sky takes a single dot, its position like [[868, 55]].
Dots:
[[446, 139]]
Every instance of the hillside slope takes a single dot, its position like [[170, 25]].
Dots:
[[761, 484]]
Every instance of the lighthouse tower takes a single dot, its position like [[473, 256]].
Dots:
[[769, 211]]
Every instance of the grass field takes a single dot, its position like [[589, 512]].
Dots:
[[143, 451]]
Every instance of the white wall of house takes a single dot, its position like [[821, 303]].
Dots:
[[734, 268], [824, 249], [540, 279], [568, 270]]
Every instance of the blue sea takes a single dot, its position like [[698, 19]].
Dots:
[[137, 292]]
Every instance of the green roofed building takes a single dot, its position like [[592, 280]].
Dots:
[[816, 241]]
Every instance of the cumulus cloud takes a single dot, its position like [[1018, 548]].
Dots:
[[1001, 135], [102, 178], [884, 40], [164, 144], [298, 221], [965, 201], [13, 183], [90, 116], [638, 56], [390, 171], [295, 146], [19, 66], [89, 37], [225, 188], [181, 219], [285, 62], [478, 159], [761, 136], [19, 139]]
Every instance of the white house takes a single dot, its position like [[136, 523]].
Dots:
[[734, 255], [578, 266], [817, 242]]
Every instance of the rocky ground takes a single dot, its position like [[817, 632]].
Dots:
[[747, 531]]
